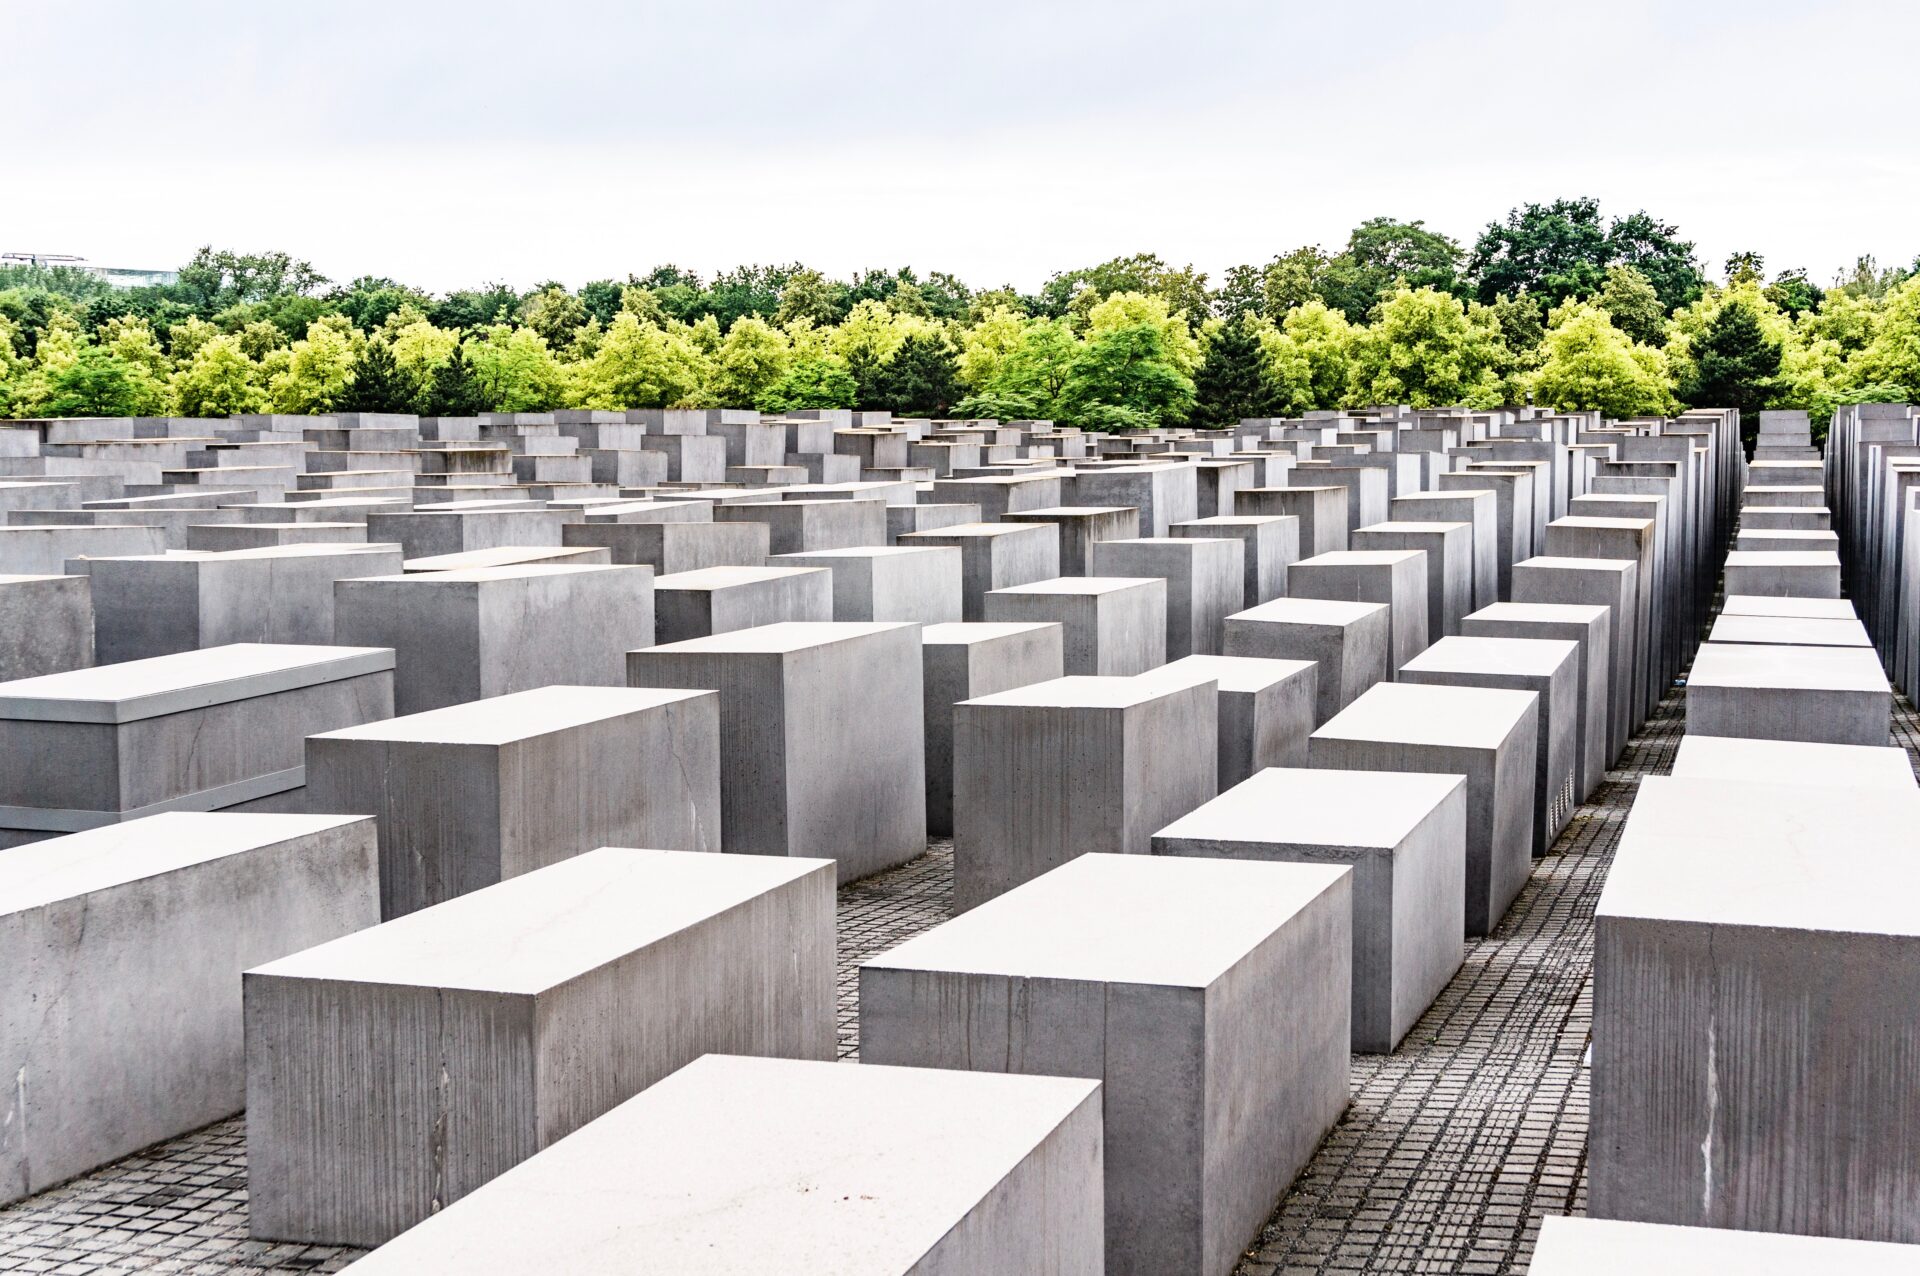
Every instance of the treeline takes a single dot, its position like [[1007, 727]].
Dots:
[[1556, 302]]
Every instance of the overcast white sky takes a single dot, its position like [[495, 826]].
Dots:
[[449, 143]]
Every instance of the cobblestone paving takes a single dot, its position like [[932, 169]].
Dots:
[[1454, 1147]]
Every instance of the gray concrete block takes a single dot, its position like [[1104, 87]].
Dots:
[[427, 533], [1449, 551], [1321, 511], [1403, 834], [1209, 1113], [1113, 625], [1802, 540], [1795, 762], [795, 527], [1602, 1247], [913, 582], [1350, 643], [46, 625], [1480, 509], [1512, 515], [1484, 734], [460, 636], [719, 600], [1081, 527], [1797, 631], [1269, 544], [673, 547], [1266, 709], [1807, 608], [1205, 583], [508, 556], [157, 605], [1753, 949], [1783, 574], [474, 794], [822, 745], [44, 550], [1396, 577], [1046, 772], [218, 537], [791, 1147], [993, 556], [1549, 667], [196, 731], [1600, 582], [484, 1029], [1824, 695], [961, 662], [1587, 626], [123, 946], [1164, 494]]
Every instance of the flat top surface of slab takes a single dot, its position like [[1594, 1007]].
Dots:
[[1090, 691], [1235, 520], [1301, 807], [516, 716], [1609, 1247], [1798, 630], [68, 867], [137, 689], [1072, 511], [867, 551], [532, 932], [1812, 608], [1413, 713], [968, 529], [784, 637], [1407, 527], [1233, 673], [1782, 666], [860, 1171], [1763, 853], [499, 556], [725, 577], [1133, 919], [1783, 558], [1310, 611], [1618, 566], [485, 575], [1460, 653], [1597, 523], [962, 633], [1360, 558], [1547, 613], [1081, 585], [1717, 757], [22, 580]]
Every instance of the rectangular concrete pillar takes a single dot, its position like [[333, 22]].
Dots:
[[1205, 583], [1113, 625], [991, 556], [484, 1029], [1396, 577], [961, 662], [1587, 626], [1209, 1113], [1350, 643]]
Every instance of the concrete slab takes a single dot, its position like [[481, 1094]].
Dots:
[[1405, 837], [1113, 625], [1824, 695], [1162, 977], [1351, 643], [961, 662]]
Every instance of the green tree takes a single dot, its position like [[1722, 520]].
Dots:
[[454, 390], [516, 369], [922, 377], [1233, 383], [1656, 250], [1628, 296], [1310, 359], [1794, 293], [602, 299], [369, 301], [1381, 252], [1077, 292], [1735, 364], [475, 307], [1425, 349], [818, 382], [218, 380], [751, 360], [378, 384], [1551, 251], [640, 365], [318, 370], [1892, 358], [213, 281], [1129, 367], [97, 383], [1745, 268], [1590, 364], [811, 295], [554, 313]]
